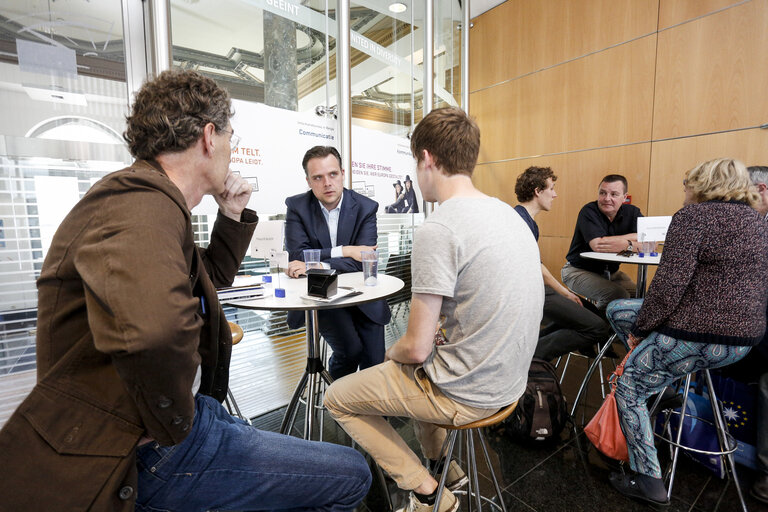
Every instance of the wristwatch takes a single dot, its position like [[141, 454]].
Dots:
[[629, 247]]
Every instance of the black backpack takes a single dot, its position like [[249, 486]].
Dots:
[[542, 412]]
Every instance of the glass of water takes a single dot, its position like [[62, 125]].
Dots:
[[370, 267]]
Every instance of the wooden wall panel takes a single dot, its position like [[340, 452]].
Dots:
[[523, 36], [711, 73], [578, 176], [671, 159], [601, 100], [672, 12]]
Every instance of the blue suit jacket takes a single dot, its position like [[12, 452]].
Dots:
[[305, 228]]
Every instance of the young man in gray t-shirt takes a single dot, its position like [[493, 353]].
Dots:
[[474, 322]]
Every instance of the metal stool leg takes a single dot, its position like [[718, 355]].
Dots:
[[465, 435], [233, 408], [446, 460], [473, 468], [565, 367], [721, 428], [484, 446], [383, 482], [589, 373], [676, 450]]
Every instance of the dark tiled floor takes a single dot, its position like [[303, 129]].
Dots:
[[569, 476]]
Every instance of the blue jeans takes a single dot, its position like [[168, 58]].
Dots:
[[225, 464], [655, 363]]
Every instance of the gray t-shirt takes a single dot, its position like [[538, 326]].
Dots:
[[482, 258]]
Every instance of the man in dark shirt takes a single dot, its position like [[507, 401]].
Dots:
[[573, 326], [605, 225]]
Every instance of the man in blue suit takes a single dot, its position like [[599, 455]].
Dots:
[[341, 223]]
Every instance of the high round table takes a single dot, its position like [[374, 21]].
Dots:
[[315, 370], [641, 262]]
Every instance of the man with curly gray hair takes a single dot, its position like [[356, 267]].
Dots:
[[134, 348]]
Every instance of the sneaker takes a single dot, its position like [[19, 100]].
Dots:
[[448, 503], [456, 478]]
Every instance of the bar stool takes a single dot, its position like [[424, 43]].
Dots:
[[596, 364], [229, 401], [476, 427], [727, 443]]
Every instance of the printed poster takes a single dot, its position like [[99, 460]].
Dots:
[[273, 143]]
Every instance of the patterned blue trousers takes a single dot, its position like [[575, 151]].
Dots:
[[655, 363]]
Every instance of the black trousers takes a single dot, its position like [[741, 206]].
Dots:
[[356, 340], [574, 327]]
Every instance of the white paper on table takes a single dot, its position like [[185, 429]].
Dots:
[[341, 292], [653, 228]]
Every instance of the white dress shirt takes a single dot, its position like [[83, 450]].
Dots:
[[332, 219]]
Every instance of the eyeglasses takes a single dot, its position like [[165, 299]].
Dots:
[[234, 140]]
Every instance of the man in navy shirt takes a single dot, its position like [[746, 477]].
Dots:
[[605, 225], [573, 326]]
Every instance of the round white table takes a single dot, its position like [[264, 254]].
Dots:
[[642, 263], [296, 299]]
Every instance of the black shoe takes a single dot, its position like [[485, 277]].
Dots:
[[640, 487], [760, 488]]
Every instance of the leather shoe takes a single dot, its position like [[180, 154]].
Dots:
[[760, 488], [636, 486]]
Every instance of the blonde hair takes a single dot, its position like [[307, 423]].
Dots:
[[722, 179]]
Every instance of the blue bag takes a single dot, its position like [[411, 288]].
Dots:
[[739, 401], [696, 433]]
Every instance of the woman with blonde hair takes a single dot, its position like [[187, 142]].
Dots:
[[704, 309]]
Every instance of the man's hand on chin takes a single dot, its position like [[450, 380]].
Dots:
[[235, 196]]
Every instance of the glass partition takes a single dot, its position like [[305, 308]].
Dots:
[[63, 100]]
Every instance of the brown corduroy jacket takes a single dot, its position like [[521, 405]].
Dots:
[[127, 311]]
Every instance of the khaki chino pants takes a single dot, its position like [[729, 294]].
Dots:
[[360, 401]]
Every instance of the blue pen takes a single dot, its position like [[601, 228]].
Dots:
[[202, 303]]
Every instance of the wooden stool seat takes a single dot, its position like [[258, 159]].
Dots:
[[237, 332], [493, 419]]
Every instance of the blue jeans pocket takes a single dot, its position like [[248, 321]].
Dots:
[[152, 458]]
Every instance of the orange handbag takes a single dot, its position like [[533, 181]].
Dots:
[[604, 429]]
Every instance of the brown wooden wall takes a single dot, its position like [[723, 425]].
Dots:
[[644, 88]]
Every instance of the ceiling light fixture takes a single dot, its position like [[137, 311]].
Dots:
[[397, 7]]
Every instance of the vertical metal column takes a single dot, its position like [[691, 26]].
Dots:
[[428, 88], [135, 46], [429, 57], [157, 29], [465, 26], [344, 88]]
